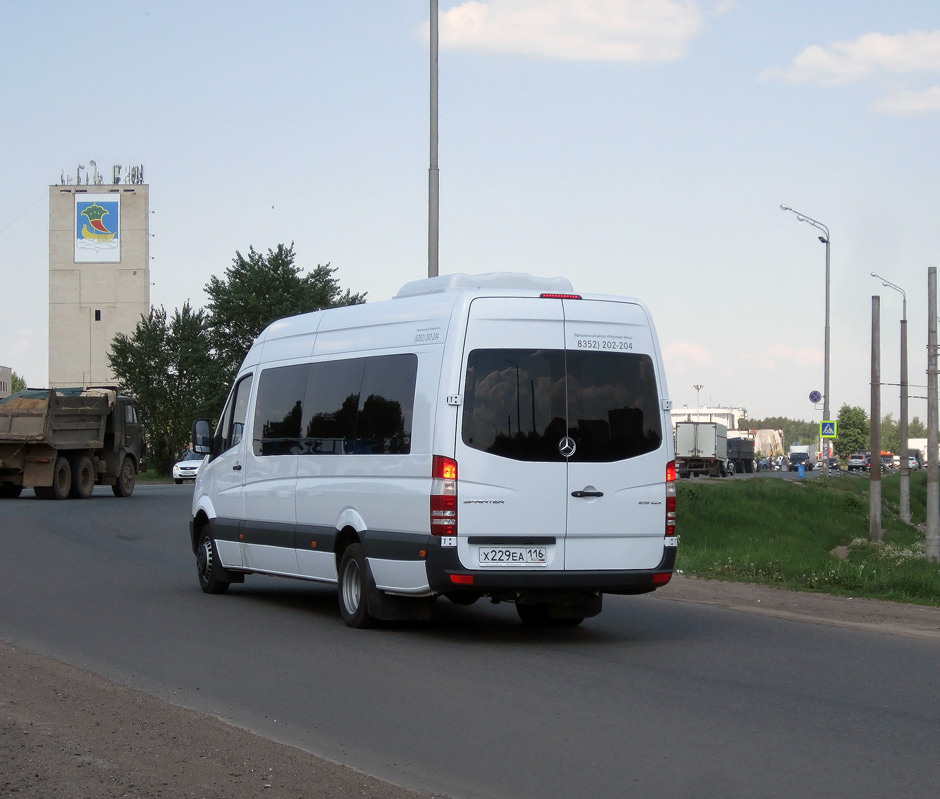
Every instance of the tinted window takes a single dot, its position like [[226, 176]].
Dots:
[[514, 403], [232, 424], [330, 405], [386, 403], [518, 404], [278, 410], [613, 405]]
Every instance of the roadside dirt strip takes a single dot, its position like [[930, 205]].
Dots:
[[70, 734], [871, 615]]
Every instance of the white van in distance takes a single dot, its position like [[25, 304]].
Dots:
[[478, 435]]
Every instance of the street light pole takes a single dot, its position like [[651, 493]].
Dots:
[[434, 176], [905, 465], [824, 240]]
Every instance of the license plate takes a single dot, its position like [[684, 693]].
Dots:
[[512, 556]]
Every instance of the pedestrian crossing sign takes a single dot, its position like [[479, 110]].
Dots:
[[827, 429]]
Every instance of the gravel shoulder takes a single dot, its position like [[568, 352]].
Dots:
[[66, 733]]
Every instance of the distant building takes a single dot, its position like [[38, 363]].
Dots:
[[729, 417], [6, 381], [99, 271]]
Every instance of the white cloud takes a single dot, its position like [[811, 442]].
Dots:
[[680, 355], [874, 57], [871, 55], [911, 103], [646, 31]]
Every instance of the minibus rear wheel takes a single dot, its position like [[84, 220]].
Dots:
[[353, 585]]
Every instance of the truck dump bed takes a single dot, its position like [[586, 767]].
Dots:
[[67, 418]]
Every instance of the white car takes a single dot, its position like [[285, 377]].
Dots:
[[188, 467]]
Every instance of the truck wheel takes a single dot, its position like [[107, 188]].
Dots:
[[61, 479], [10, 490], [205, 566], [127, 479], [83, 478], [353, 584]]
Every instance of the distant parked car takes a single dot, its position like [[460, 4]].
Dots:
[[858, 463], [913, 463], [188, 467]]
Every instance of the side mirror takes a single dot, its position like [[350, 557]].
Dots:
[[202, 437]]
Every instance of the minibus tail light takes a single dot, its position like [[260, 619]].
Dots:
[[550, 296], [670, 499], [443, 496]]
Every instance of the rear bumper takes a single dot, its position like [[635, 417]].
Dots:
[[443, 564]]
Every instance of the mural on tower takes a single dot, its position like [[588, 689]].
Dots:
[[97, 228]]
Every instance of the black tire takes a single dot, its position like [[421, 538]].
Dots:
[[537, 616], [206, 567], [127, 479], [353, 586], [10, 490], [177, 481], [61, 479], [83, 478]]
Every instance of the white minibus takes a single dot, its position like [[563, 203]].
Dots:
[[493, 435]]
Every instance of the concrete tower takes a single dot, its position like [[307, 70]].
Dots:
[[99, 272]]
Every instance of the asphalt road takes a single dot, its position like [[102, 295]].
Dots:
[[651, 697]]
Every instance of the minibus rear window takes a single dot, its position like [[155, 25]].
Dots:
[[519, 404]]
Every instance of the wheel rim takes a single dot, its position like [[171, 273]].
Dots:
[[62, 480], [352, 589], [127, 476], [204, 560]]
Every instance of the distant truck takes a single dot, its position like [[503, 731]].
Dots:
[[61, 442], [701, 448], [741, 454], [802, 454], [920, 445]]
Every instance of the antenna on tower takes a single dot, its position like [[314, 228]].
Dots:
[[117, 174], [78, 174]]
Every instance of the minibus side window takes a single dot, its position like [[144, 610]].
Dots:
[[233, 417], [279, 410], [386, 404], [328, 424]]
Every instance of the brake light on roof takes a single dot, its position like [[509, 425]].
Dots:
[[443, 496], [670, 499], [550, 296]]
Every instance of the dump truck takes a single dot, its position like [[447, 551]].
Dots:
[[701, 448], [741, 454], [61, 442]]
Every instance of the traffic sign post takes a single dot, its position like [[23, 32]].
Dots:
[[828, 429], [815, 397]]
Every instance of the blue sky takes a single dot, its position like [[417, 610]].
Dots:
[[638, 147]]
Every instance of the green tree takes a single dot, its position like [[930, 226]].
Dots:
[[167, 365], [854, 430], [916, 429], [258, 290], [17, 383], [891, 434]]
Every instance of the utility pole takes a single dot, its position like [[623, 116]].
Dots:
[[434, 177], [874, 495], [933, 468]]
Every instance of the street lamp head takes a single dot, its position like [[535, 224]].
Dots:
[[801, 218], [785, 207], [824, 240]]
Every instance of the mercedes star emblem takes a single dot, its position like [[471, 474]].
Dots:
[[567, 446]]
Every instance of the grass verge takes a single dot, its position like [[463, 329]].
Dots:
[[783, 532]]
